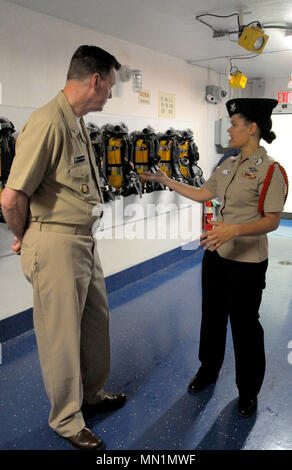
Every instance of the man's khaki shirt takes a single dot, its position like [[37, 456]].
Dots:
[[238, 185], [55, 167]]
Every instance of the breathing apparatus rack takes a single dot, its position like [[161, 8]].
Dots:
[[7, 152], [121, 157]]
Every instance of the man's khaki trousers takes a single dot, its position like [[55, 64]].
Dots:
[[71, 319]]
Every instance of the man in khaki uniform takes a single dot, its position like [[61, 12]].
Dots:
[[236, 256], [51, 201]]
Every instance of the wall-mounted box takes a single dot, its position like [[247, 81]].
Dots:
[[221, 134]]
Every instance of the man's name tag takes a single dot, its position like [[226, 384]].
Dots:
[[79, 159]]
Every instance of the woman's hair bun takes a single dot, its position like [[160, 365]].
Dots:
[[269, 136]]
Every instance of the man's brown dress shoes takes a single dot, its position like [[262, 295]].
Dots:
[[86, 440], [111, 401]]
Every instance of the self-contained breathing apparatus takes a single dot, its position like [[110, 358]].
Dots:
[[188, 157], [116, 153], [7, 152], [168, 150], [106, 188], [178, 156], [145, 147]]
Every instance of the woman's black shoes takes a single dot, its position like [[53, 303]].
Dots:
[[247, 406], [199, 383]]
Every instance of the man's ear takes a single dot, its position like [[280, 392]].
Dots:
[[95, 79]]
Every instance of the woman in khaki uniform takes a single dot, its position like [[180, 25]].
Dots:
[[51, 201], [236, 256]]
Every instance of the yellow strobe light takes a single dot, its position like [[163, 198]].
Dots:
[[253, 39]]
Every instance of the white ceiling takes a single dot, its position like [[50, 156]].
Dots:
[[170, 27]]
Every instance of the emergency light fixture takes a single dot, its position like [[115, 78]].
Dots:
[[253, 39], [238, 81], [137, 80], [125, 75]]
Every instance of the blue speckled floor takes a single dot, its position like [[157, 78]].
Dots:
[[155, 330]]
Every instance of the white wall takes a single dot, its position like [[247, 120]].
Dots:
[[35, 51]]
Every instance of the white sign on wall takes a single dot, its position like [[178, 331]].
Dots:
[[144, 97], [166, 105]]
